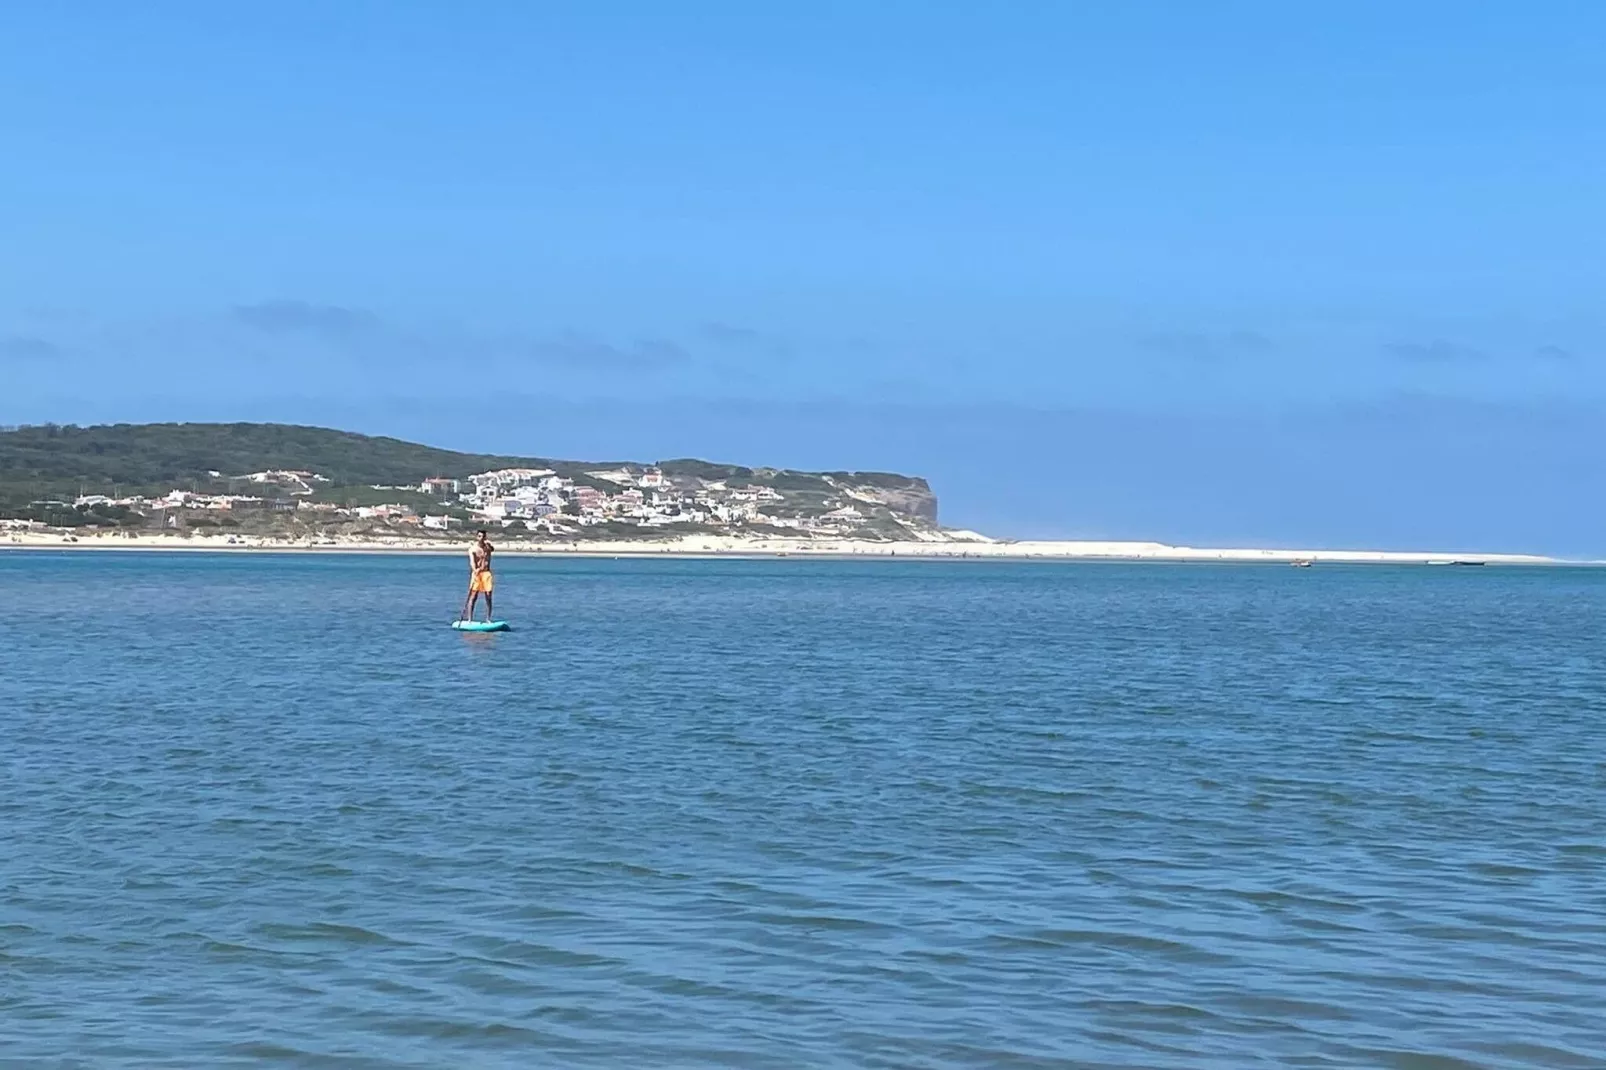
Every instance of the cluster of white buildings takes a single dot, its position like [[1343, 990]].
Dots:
[[643, 497], [646, 498], [183, 499], [283, 492], [536, 497]]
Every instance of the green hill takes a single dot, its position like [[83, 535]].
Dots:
[[61, 462], [152, 456]]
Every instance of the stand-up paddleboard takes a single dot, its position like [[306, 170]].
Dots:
[[480, 625]]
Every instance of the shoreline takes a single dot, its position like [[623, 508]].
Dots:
[[716, 547]]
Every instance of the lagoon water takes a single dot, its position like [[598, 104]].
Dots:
[[271, 811]]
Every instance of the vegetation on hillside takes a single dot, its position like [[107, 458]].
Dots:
[[65, 461], [53, 463]]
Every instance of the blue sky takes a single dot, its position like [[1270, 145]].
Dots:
[[1253, 272]]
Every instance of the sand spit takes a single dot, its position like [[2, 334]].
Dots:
[[962, 545]]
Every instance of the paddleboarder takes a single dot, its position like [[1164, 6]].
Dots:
[[479, 576]]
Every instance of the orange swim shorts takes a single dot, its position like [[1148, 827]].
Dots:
[[481, 581]]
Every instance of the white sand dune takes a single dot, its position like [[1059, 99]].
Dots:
[[960, 545]]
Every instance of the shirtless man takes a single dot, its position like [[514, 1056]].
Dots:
[[479, 576]]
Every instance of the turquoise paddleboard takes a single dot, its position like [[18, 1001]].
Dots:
[[480, 625]]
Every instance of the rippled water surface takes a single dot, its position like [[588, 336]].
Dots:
[[271, 811]]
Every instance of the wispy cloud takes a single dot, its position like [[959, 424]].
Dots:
[[370, 340], [304, 317], [1208, 347], [1435, 352], [1555, 353], [585, 352], [28, 347], [745, 340]]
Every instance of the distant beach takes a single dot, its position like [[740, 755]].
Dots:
[[959, 546]]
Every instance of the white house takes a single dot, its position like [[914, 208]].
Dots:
[[442, 488]]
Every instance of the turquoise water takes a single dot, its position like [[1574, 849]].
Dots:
[[271, 811]]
